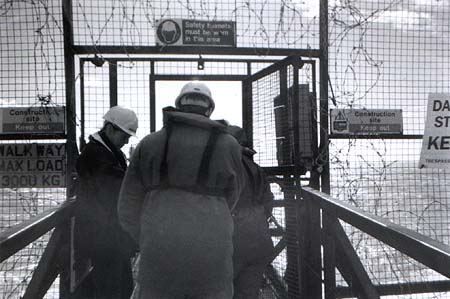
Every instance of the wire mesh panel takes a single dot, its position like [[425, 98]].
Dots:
[[31, 75], [382, 177], [275, 113], [264, 92], [16, 271], [133, 91], [132, 78], [190, 66], [390, 55], [267, 24], [283, 274], [96, 96], [383, 54]]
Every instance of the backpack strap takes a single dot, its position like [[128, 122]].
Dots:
[[163, 168], [203, 170], [200, 185]]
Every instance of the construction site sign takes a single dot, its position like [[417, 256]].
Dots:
[[32, 165], [32, 120], [436, 138], [366, 121], [181, 32]]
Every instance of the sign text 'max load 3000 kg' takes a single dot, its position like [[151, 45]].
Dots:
[[32, 165]]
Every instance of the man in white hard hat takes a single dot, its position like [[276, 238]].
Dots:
[[101, 167], [175, 202]]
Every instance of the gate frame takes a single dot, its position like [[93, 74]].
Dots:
[[307, 282], [305, 256], [71, 51]]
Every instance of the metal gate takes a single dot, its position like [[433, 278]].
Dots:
[[281, 118], [279, 115]]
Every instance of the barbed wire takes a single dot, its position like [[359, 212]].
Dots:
[[356, 71]]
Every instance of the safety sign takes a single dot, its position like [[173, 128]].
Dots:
[[435, 151], [366, 121], [32, 120], [32, 165], [181, 32]]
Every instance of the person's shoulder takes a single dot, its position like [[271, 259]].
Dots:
[[153, 139], [93, 148], [92, 155], [228, 140]]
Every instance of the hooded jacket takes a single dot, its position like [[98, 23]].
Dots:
[[175, 202]]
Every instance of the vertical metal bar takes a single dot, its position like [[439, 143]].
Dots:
[[247, 109], [287, 117], [82, 106], [313, 75], [293, 94], [289, 189], [323, 148], [309, 226], [315, 174], [247, 106], [152, 98], [112, 83], [71, 147], [329, 257], [293, 230], [310, 256], [69, 73]]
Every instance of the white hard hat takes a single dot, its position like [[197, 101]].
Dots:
[[123, 118], [198, 88]]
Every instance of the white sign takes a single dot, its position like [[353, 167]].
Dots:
[[32, 120], [366, 121], [436, 138], [179, 32], [32, 165]]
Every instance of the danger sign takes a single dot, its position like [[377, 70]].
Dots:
[[32, 165], [436, 138]]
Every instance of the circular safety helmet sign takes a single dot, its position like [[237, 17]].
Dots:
[[169, 32]]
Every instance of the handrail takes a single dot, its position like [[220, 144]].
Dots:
[[17, 237], [431, 253]]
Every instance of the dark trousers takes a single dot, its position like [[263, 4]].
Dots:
[[111, 277]]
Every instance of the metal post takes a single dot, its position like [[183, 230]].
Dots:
[[152, 97], [112, 83], [323, 148], [71, 147], [309, 239]]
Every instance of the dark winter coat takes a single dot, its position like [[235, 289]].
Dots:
[[183, 223], [101, 168], [252, 240]]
